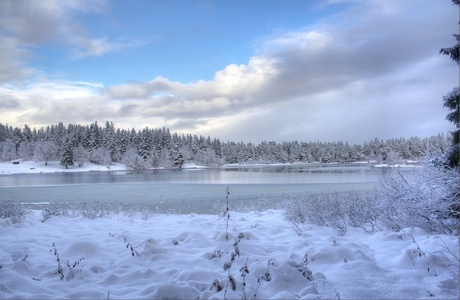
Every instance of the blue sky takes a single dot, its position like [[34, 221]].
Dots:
[[326, 70], [185, 41]]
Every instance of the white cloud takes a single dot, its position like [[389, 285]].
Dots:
[[12, 57], [368, 78], [28, 24], [351, 78]]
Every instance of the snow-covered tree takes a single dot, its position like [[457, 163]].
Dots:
[[452, 102], [45, 151], [157, 146], [392, 158], [186, 152], [8, 150], [80, 155], [122, 141], [208, 158], [17, 137], [145, 144], [108, 139], [67, 155], [26, 150], [27, 133], [154, 159], [134, 161], [100, 156], [177, 157]]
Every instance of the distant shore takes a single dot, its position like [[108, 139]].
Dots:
[[32, 167]]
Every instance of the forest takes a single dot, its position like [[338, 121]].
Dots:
[[75, 145]]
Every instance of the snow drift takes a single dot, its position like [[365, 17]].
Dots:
[[188, 256]]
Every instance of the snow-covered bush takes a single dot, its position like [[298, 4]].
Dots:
[[12, 210], [427, 198], [362, 209], [55, 209], [337, 210], [325, 209], [93, 209]]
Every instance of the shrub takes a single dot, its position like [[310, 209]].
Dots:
[[426, 198], [93, 209], [54, 209], [12, 210], [362, 209], [326, 209]]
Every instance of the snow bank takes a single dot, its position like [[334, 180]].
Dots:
[[27, 167], [395, 166], [183, 256], [192, 165]]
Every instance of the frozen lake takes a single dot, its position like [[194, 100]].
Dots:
[[188, 190]]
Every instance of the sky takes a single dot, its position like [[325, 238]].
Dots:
[[252, 71]]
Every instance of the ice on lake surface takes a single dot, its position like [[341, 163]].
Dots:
[[188, 191]]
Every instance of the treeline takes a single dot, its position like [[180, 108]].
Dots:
[[146, 148]]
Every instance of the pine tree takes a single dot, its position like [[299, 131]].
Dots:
[[178, 159], [451, 101], [67, 154]]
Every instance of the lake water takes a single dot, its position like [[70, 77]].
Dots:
[[188, 190]]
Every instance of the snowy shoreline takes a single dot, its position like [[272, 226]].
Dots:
[[184, 256], [32, 167]]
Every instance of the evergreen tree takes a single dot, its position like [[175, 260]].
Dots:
[[145, 144], [122, 140], [27, 133], [108, 139], [178, 159], [67, 154], [451, 101]]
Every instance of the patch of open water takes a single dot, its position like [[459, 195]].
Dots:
[[188, 190]]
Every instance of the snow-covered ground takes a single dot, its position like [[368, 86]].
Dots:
[[28, 167], [183, 256], [395, 166]]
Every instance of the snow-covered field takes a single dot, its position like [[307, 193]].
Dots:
[[183, 256]]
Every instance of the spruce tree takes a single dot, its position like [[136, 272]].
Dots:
[[451, 101], [67, 155], [178, 159]]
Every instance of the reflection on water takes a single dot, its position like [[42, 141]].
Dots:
[[187, 190]]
